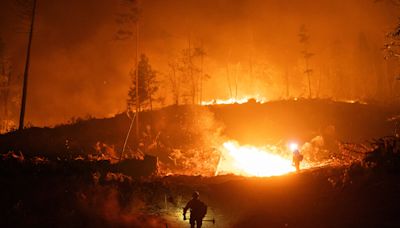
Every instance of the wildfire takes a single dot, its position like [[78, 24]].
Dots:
[[242, 100], [253, 161], [353, 101]]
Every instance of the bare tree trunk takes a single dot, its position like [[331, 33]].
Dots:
[[191, 75], [309, 79], [137, 80], [176, 85], [319, 84], [149, 94], [26, 71]]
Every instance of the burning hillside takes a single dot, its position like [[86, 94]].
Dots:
[[213, 113], [245, 99], [199, 140]]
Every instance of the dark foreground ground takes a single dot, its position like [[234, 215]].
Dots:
[[50, 195]]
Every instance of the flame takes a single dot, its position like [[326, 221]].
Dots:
[[252, 161], [242, 100], [262, 100], [353, 101]]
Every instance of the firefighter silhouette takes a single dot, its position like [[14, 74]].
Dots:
[[297, 158], [198, 210]]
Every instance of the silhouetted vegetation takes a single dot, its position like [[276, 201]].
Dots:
[[304, 37], [147, 87]]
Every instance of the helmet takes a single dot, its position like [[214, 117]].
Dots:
[[195, 194]]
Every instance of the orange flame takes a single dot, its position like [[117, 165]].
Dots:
[[242, 100], [252, 161]]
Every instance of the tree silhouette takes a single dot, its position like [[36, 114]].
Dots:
[[191, 68], [147, 85], [27, 12], [304, 40], [128, 19], [175, 81]]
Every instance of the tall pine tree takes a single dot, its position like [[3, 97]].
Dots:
[[148, 85]]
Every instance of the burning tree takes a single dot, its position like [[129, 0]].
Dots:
[[147, 85]]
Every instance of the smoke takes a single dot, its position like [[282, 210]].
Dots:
[[78, 67], [315, 150], [192, 143], [103, 203]]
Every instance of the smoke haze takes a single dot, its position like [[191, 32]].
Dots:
[[79, 68]]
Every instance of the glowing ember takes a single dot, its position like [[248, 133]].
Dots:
[[252, 161], [242, 100]]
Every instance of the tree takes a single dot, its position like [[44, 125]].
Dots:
[[392, 46], [128, 17], [392, 53], [189, 70], [27, 13], [175, 81], [200, 53], [147, 85], [304, 40], [191, 67]]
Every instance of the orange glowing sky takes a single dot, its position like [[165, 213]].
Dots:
[[78, 67]]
